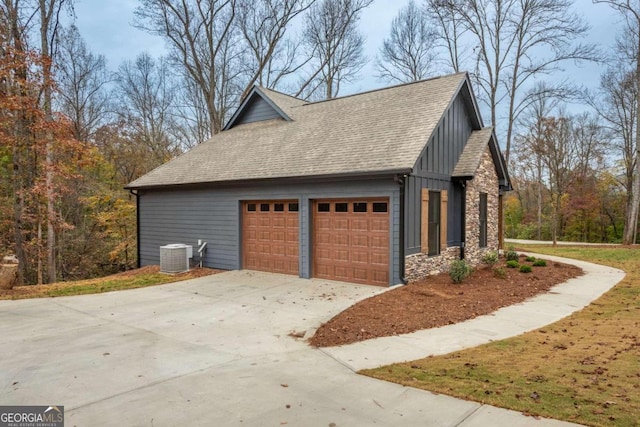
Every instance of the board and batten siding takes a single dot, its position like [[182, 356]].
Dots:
[[214, 215], [433, 171], [257, 110]]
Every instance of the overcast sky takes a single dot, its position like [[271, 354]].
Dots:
[[106, 26]]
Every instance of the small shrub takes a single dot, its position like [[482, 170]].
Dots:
[[513, 263], [490, 258], [531, 259], [511, 254], [459, 270], [500, 273], [525, 268], [540, 263]]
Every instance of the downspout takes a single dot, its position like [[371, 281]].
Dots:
[[463, 219], [135, 193], [401, 181]]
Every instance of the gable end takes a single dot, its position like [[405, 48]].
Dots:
[[256, 107]]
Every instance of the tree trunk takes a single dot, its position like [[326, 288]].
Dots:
[[631, 224], [45, 18], [19, 148], [18, 203]]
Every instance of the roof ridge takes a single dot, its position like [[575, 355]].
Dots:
[[266, 89], [380, 89]]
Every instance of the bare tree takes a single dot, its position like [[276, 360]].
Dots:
[[13, 49], [630, 10], [527, 159], [557, 148], [514, 41], [82, 79], [334, 44], [198, 34], [263, 25], [450, 29], [49, 25], [409, 53], [223, 47], [616, 103], [149, 96]]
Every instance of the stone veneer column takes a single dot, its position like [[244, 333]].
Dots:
[[485, 181]]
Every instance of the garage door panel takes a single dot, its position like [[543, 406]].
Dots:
[[359, 240], [341, 255], [341, 273], [292, 237], [262, 221], [323, 255], [380, 225], [360, 224], [380, 277], [323, 223], [361, 274], [351, 240], [270, 237], [340, 240], [278, 236], [292, 223], [360, 257], [278, 250], [379, 242], [340, 224], [379, 259]]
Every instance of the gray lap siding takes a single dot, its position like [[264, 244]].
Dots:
[[214, 215]]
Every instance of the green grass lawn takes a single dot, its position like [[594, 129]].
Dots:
[[142, 277], [583, 369]]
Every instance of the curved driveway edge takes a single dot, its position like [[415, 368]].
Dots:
[[561, 301]]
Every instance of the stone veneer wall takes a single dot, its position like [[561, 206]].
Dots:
[[485, 181], [421, 265]]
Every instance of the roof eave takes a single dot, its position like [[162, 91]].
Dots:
[[288, 179], [465, 177]]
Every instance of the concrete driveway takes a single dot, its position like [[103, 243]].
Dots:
[[214, 351]]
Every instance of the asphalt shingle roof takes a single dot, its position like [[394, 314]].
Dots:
[[376, 131], [472, 154]]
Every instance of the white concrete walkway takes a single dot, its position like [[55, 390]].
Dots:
[[559, 302]]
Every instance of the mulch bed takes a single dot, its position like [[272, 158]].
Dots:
[[437, 301]]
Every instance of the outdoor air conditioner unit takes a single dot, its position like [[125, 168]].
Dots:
[[174, 258]]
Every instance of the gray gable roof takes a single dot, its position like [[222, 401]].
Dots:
[[471, 156], [381, 131], [256, 95]]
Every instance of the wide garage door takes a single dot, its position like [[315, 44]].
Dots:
[[351, 240], [270, 236]]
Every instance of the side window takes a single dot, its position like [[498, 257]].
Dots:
[[434, 223], [483, 220]]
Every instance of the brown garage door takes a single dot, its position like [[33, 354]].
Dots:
[[351, 240], [270, 236]]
